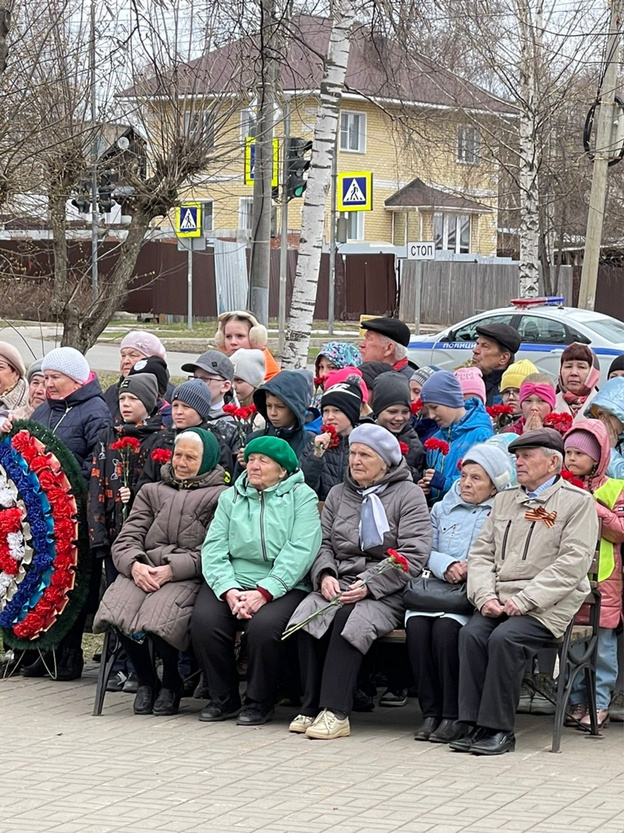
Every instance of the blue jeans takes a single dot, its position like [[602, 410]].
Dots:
[[606, 671]]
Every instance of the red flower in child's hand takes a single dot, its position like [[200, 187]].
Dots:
[[230, 409], [433, 444], [335, 439], [161, 455], [416, 406], [404, 448], [130, 443], [560, 422], [399, 560], [318, 381], [571, 478], [496, 411]]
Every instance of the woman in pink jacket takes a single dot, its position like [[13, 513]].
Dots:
[[587, 455]]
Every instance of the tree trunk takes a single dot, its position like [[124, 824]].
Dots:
[[319, 178], [5, 22]]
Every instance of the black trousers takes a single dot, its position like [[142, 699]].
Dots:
[[329, 668], [434, 657], [139, 653], [213, 633], [492, 659]]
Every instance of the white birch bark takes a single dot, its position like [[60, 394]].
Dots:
[[301, 315]]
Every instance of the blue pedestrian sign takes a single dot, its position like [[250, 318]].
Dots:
[[188, 219], [355, 191]]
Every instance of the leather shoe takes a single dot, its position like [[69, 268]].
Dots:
[[38, 668], [70, 665], [216, 711], [464, 744], [427, 728], [167, 702], [494, 743], [449, 730], [255, 714], [144, 700]]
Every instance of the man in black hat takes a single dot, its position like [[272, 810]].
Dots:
[[527, 578], [492, 354], [386, 340]]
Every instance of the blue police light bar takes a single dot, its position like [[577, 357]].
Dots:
[[547, 301]]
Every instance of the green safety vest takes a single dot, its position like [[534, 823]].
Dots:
[[608, 494]]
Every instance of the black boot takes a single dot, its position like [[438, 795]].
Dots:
[[40, 667], [70, 665]]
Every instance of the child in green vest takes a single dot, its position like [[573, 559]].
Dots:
[[587, 455]]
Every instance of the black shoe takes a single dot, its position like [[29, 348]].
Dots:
[[167, 702], [396, 698], [363, 702], [464, 744], [494, 743], [216, 711], [131, 686], [448, 731], [256, 714], [70, 665], [202, 691], [144, 700], [39, 668], [116, 682], [428, 727], [189, 685]]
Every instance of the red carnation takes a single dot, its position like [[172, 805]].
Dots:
[[496, 411], [404, 448], [571, 478], [161, 455], [560, 422], [399, 560], [131, 443], [416, 406], [318, 381], [230, 409], [433, 444], [329, 429]]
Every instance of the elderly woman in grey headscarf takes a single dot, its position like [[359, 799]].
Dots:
[[378, 508], [13, 385]]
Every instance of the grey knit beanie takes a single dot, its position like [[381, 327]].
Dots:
[[494, 461], [144, 386], [423, 373], [34, 370], [195, 394], [380, 440], [390, 389], [69, 361], [442, 389], [250, 366]]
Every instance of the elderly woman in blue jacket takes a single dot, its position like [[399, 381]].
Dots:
[[460, 425], [432, 637], [608, 406]]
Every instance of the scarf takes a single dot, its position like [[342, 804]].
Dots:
[[373, 520], [16, 397]]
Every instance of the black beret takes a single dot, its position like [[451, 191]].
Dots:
[[508, 337], [390, 327], [540, 437]]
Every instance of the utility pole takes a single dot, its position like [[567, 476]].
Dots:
[[603, 153], [331, 300], [94, 173], [283, 280]]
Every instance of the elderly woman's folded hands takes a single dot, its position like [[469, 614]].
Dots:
[[150, 579]]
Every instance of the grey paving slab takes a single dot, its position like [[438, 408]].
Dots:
[[68, 772]]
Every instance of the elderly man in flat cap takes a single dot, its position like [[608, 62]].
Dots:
[[527, 578], [386, 341], [492, 354]]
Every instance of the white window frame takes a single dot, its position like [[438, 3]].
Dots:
[[355, 223], [450, 222], [207, 211], [468, 145], [247, 116], [345, 131], [245, 208]]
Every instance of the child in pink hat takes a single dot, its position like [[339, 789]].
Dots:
[[471, 382]]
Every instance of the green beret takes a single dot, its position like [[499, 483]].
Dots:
[[276, 449], [212, 449]]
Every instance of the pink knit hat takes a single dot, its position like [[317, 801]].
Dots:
[[146, 343], [336, 376], [583, 441], [471, 382]]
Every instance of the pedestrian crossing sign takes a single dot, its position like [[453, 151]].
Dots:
[[355, 191], [189, 219]]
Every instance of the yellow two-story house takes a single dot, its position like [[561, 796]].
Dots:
[[417, 127]]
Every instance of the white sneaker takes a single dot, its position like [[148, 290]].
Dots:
[[301, 723], [327, 726]]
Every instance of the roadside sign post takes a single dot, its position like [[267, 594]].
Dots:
[[418, 251], [188, 230], [355, 191]]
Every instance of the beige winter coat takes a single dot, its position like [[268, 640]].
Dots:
[[543, 570], [167, 525]]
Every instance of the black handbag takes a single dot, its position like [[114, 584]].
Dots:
[[430, 595]]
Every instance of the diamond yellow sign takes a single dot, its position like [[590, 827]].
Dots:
[[189, 219]]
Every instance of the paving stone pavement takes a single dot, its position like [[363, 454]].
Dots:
[[68, 772]]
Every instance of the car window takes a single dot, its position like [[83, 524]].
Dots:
[[608, 328], [468, 332], [535, 329]]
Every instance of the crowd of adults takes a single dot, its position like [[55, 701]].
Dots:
[[278, 523]]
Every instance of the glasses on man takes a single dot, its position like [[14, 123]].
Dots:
[[206, 378]]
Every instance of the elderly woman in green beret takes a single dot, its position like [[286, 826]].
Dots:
[[263, 539]]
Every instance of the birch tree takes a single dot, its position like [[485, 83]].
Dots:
[[299, 324], [5, 22]]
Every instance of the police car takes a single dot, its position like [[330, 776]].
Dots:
[[545, 325]]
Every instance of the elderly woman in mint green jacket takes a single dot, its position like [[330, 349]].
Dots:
[[263, 539]]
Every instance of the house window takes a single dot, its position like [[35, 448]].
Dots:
[[353, 132], [452, 232], [355, 225], [245, 208], [207, 216], [200, 127], [247, 123], [468, 145]]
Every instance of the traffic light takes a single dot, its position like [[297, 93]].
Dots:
[[296, 166], [83, 201], [105, 194]]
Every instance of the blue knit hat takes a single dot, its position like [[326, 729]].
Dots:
[[196, 395], [442, 388]]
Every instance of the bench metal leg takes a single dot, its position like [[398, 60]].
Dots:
[[107, 661]]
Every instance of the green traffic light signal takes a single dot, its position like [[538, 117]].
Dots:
[[296, 166]]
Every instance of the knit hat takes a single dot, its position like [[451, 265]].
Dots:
[[146, 343], [346, 397], [392, 328], [347, 374], [471, 382], [583, 441], [616, 364], [442, 389], [34, 370], [144, 386], [340, 354], [494, 461], [212, 361], [11, 355], [156, 367], [195, 394], [380, 440], [250, 366], [371, 370], [258, 333], [390, 388], [212, 450], [423, 373], [275, 448], [69, 361], [516, 373]]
